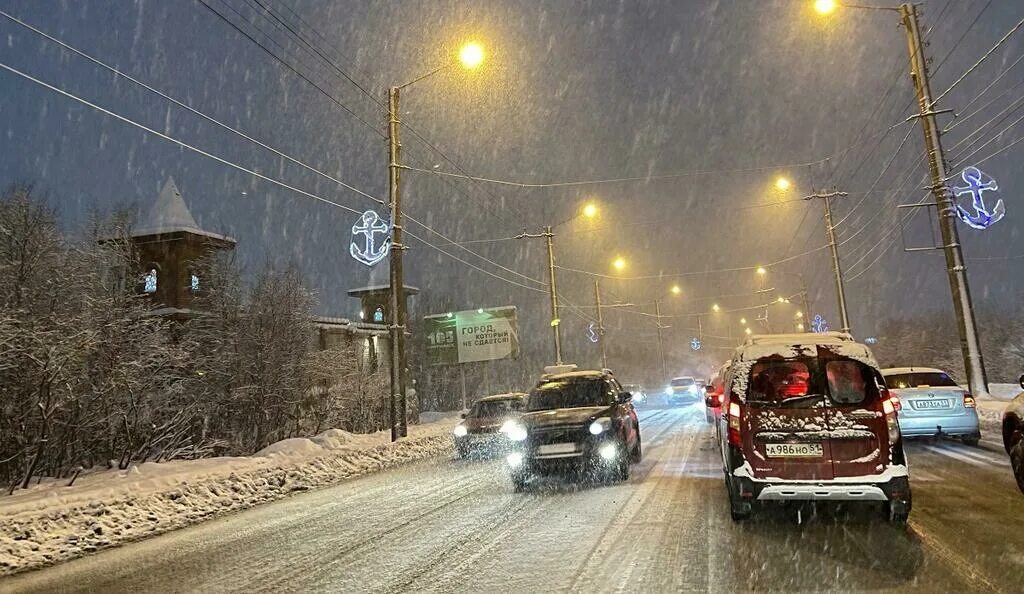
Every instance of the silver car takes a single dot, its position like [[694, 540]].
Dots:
[[932, 404]]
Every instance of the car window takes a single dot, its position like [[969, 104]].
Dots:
[[795, 382], [847, 382], [570, 394], [772, 381], [924, 378], [683, 381], [495, 408]]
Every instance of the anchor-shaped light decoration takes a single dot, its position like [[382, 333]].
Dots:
[[372, 251], [818, 324], [593, 333], [695, 343], [982, 218]]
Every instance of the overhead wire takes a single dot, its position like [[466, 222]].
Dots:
[[982, 59]]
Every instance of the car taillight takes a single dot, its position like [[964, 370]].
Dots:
[[734, 423], [896, 402], [890, 405], [720, 398], [969, 401]]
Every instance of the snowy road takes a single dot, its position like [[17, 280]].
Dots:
[[455, 526]]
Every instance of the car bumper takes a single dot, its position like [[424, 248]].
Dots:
[[492, 443], [586, 459], [895, 489], [960, 425]]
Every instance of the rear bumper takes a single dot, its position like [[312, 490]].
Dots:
[[924, 426], [895, 489]]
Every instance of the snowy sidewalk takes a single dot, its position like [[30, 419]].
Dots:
[[52, 522]]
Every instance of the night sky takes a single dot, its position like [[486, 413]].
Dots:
[[742, 90]]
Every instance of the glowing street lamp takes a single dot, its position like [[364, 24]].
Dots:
[[676, 290], [782, 184], [747, 331], [799, 314], [825, 6], [619, 263], [743, 321], [715, 308], [471, 55], [762, 270], [800, 326], [590, 210]]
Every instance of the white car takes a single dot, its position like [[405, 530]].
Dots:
[[931, 403], [1013, 435]]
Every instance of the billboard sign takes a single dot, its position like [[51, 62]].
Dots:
[[474, 335]]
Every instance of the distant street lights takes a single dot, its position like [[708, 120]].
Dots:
[[470, 56]]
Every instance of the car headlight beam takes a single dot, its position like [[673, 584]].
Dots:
[[600, 426], [514, 431], [608, 451], [460, 431]]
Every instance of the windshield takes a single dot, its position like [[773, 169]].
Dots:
[[803, 381], [570, 394], [683, 382], [920, 380], [495, 408]]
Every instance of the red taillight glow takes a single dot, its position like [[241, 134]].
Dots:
[[720, 398], [734, 423], [888, 407], [969, 401]]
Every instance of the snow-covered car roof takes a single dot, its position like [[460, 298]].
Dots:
[[800, 338], [581, 374], [508, 396], [793, 345], [901, 370]]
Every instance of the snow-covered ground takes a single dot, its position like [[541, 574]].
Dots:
[[990, 410], [52, 522]]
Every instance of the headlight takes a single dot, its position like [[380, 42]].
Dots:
[[668, 391], [600, 426], [608, 451], [513, 430], [460, 431], [515, 459]]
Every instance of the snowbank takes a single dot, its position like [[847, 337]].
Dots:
[[990, 410], [52, 522]]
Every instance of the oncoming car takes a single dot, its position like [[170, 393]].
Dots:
[[478, 431], [638, 393], [683, 390], [807, 417], [581, 423], [931, 403]]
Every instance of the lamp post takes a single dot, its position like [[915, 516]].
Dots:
[[956, 269], [470, 56]]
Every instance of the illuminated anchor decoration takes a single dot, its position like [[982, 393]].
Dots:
[[818, 324], [695, 343], [982, 218], [593, 333], [370, 223]]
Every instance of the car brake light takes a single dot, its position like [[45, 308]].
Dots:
[[891, 404], [720, 398], [888, 407], [734, 423], [896, 402], [969, 401]]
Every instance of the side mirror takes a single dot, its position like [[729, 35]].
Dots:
[[462, 416], [1020, 380], [625, 397]]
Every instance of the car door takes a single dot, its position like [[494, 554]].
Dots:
[[626, 412], [857, 426], [784, 427]]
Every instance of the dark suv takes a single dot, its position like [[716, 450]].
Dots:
[[581, 423]]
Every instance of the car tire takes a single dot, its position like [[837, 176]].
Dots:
[[898, 511], [971, 440], [638, 451], [622, 470], [519, 483], [738, 510], [1017, 462]]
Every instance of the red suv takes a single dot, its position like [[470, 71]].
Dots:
[[807, 417]]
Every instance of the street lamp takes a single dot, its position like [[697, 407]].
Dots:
[[743, 321], [762, 270], [747, 331], [619, 263], [676, 290], [715, 308], [782, 184], [470, 56], [590, 210], [956, 269]]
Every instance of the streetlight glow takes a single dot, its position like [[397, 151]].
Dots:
[[619, 263], [471, 55], [676, 290], [590, 210], [747, 331], [824, 6], [782, 184], [800, 327], [762, 270], [799, 314], [743, 321], [714, 307]]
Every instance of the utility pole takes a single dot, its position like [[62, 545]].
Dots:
[[804, 299], [397, 317], [600, 323], [549, 236], [836, 268], [955, 267], [661, 345]]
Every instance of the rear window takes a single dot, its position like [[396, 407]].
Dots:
[[496, 408], [807, 381], [919, 379], [683, 381]]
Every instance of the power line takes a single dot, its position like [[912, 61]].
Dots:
[[984, 57], [962, 36]]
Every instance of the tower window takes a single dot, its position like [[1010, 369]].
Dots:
[[149, 281]]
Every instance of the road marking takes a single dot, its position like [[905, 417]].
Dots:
[[954, 561], [976, 460]]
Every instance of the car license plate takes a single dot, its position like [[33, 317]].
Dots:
[[556, 448], [931, 404], [794, 450]]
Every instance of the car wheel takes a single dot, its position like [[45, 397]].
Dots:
[[898, 510], [519, 482], [739, 510], [1017, 462], [638, 452], [622, 469], [972, 440]]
